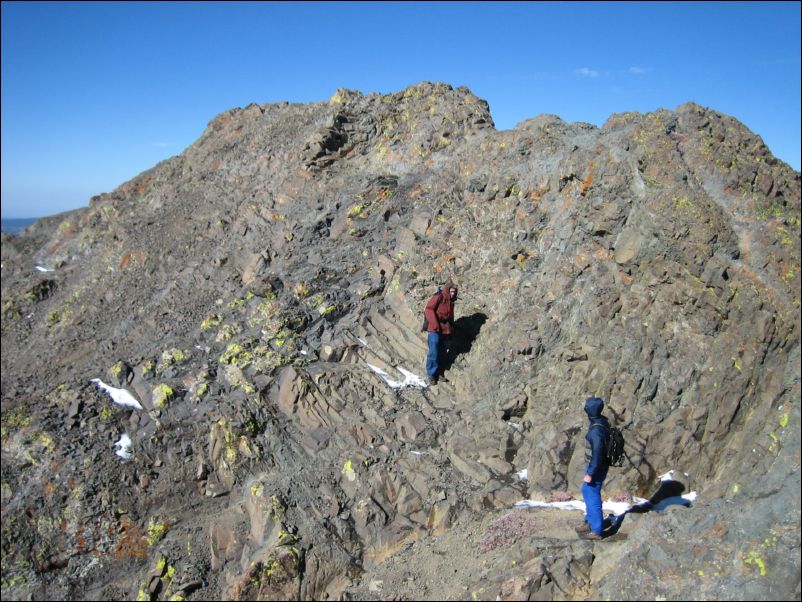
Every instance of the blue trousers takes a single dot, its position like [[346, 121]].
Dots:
[[591, 493], [435, 340]]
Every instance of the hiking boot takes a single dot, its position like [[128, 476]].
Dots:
[[590, 535], [431, 380], [583, 528], [443, 378]]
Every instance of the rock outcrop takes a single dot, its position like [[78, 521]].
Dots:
[[250, 291]]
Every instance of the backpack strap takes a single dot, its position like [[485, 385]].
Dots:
[[608, 433]]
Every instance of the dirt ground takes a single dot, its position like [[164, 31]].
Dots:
[[470, 561]]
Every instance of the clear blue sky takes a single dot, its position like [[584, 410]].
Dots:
[[94, 93]]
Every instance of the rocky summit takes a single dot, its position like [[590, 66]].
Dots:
[[212, 376]]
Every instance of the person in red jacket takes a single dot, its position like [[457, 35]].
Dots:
[[439, 314]]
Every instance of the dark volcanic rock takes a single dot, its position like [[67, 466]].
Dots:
[[241, 291]]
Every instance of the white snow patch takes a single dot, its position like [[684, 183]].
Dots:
[[614, 507], [118, 396], [669, 476], [125, 447], [41, 269], [410, 379], [523, 475]]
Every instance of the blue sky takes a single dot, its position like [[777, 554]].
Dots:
[[95, 93]]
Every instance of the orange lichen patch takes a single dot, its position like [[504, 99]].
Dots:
[[141, 185], [215, 164], [716, 531], [537, 194], [602, 254], [497, 286], [588, 181], [384, 193], [131, 543], [80, 541], [131, 257]]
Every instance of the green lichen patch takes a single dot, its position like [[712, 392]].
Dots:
[[162, 394]]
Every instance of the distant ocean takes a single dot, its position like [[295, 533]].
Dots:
[[13, 226]]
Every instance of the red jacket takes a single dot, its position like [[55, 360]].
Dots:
[[439, 313]]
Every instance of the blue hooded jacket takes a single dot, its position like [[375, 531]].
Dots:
[[596, 439]]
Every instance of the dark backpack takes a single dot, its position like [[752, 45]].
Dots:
[[425, 326], [614, 446]]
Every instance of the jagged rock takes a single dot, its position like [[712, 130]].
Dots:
[[226, 546], [653, 262], [525, 585], [410, 425]]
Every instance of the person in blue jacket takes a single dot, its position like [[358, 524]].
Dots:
[[595, 471]]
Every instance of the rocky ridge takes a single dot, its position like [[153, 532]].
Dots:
[[242, 290]]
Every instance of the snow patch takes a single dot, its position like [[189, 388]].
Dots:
[[617, 508], [410, 379], [124, 445], [119, 396], [610, 506]]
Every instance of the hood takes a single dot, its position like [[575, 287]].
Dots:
[[594, 406], [449, 285]]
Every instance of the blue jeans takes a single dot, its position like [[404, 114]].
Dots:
[[435, 340], [591, 493]]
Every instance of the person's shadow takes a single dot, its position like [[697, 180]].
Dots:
[[668, 494], [466, 331]]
